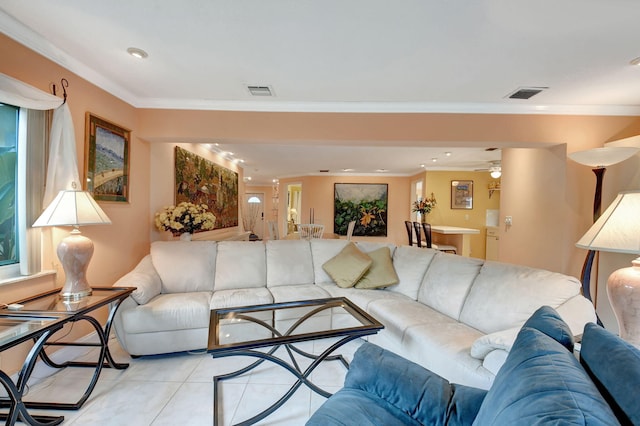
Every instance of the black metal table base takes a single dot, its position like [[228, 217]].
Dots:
[[293, 367]]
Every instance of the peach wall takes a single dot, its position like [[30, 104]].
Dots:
[[120, 246], [117, 247]]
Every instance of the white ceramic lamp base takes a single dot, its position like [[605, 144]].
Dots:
[[75, 252], [623, 289]]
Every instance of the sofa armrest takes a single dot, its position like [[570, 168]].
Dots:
[[411, 388], [500, 340], [146, 280]]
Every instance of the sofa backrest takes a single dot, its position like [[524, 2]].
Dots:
[[447, 283], [322, 251], [411, 264], [184, 266], [240, 264], [289, 262], [504, 295]]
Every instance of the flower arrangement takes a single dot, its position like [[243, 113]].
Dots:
[[424, 206], [185, 217]]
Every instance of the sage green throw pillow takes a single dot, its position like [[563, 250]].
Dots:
[[348, 266], [382, 273]]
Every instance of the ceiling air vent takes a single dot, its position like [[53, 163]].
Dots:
[[260, 90], [324, 170], [526, 92]]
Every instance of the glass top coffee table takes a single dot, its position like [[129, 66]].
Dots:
[[241, 331]]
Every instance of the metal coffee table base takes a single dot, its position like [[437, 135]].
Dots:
[[292, 366]]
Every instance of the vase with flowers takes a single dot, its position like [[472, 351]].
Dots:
[[185, 219], [424, 206]]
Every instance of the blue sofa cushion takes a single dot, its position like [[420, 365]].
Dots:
[[614, 366], [382, 388], [542, 382], [547, 320]]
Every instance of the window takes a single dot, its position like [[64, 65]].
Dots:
[[9, 248], [22, 147]]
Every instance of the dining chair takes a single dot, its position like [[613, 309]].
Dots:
[[408, 225], [310, 231], [418, 229], [350, 229], [428, 238]]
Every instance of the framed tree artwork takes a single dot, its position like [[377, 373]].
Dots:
[[106, 163], [364, 203]]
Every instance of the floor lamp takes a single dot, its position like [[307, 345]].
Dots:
[[618, 230], [598, 159]]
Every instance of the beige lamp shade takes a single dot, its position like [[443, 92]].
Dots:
[[618, 228], [603, 157], [72, 208]]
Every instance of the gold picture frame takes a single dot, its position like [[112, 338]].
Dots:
[[106, 161]]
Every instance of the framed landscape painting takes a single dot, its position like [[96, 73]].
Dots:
[[200, 181], [364, 203], [106, 164]]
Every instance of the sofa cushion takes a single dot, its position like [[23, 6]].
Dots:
[[381, 273], [185, 266], [382, 388], [543, 382], [323, 250], [613, 364], [348, 266], [440, 291], [236, 297], [240, 264], [171, 311], [505, 295], [411, 264], [289, 263]]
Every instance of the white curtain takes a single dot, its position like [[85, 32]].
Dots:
[[16, 93], [62, 170]]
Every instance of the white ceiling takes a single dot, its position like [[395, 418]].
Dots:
[[337, 55]]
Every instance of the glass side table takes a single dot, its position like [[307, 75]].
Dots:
[[49, 305]]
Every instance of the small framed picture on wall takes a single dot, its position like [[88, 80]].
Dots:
[[106, 161], [462, 194]]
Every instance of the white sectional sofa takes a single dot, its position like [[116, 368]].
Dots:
[[454, 315]]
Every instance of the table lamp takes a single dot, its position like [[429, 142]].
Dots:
[[74, 208], [618, 230]]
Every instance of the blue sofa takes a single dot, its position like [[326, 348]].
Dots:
[[541, 382]]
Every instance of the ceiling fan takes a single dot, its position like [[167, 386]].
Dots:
[[494, 168]]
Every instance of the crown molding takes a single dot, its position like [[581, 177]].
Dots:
[[25, 36]]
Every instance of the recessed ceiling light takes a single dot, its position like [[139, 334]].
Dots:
[[434, 160], [348, 170], [448, 154], [422, 165], [137, 53], [635, 61], [382, 170]]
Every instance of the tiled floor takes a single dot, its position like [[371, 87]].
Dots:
[[178, 389]]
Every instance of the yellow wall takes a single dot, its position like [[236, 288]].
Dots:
[[440, 184]]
